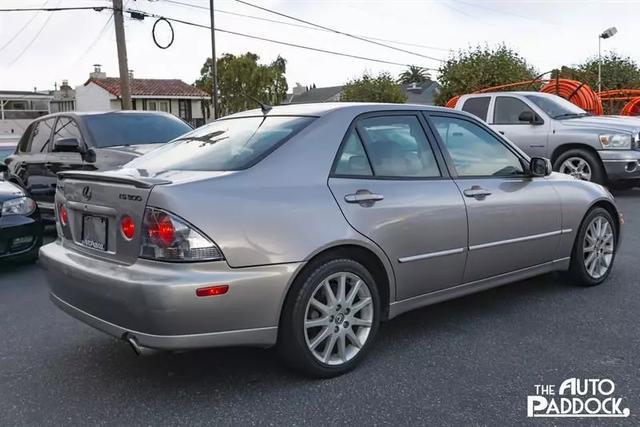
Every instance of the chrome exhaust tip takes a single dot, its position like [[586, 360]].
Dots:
[[138, 349]]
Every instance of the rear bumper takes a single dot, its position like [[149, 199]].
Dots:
[[157, 304], [621, 164]]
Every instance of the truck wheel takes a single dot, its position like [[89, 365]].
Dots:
[[581, 164]]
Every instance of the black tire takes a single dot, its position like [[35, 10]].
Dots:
[[578, 271], [598, 174], [292, 344]]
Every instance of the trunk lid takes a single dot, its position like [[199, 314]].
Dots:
[[96, 203]]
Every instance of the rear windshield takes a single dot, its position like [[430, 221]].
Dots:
[[109, 130], [224, 145]]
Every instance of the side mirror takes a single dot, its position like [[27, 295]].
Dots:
[[66, 145], [529, 117], [540, 166]]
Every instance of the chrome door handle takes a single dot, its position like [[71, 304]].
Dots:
[[477, 192], [363, 197]]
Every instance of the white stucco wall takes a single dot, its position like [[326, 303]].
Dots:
[[94, 98]]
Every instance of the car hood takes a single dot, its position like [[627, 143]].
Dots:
[[9, 191], [604, 123]]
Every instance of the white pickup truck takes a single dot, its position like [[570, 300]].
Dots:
[[603, 149]]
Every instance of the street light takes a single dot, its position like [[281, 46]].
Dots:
[[608, 33]]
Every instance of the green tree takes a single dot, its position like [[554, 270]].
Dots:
[[382, 88], [480, 67], [414, 74], [618, 72], [241, 77]]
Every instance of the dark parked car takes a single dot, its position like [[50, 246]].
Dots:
[[20, 225], [84, 141]]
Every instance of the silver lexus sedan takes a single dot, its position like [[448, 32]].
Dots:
[[305, 226]]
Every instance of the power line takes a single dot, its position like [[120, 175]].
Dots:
[[44, 24], [308, 27], [35, 15], [56, 9], [181, 21], [338, 31], [101, 34]]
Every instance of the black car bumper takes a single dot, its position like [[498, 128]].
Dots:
[[19, 236]]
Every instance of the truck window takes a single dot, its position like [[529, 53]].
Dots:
[[508, 109], [477, 106]]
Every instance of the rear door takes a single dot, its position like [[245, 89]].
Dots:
[[531, 138], [478, 106], [393, 188], [514, 219]]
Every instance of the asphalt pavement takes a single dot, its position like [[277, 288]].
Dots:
[[471, 361]]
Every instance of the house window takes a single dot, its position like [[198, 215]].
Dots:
[[184, 109], [158, 106]]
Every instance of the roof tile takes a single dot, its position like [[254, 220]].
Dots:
[[150, 87]]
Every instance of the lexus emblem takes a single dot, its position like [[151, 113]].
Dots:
[[86, 193]]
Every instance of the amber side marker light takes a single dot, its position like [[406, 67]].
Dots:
[[211, 291], [621, 219]]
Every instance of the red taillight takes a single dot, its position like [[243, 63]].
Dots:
[[64, 216], [128, 227], [162, 230], [211, 291]]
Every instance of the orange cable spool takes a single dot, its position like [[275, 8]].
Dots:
[[576, 92], [631, 108], [452, 102]]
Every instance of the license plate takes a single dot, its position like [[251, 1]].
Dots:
[[94, 232]]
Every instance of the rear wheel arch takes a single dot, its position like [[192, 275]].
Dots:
[[365, 256]]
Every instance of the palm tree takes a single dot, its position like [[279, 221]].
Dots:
[[414, 74]]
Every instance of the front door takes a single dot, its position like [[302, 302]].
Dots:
[[530, 138], [33, 171], [514, 219], [393, 188]]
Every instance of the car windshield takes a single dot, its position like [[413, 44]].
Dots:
[[556, 107], [109, 130], [224, 145]]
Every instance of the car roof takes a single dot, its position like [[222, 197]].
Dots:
[[323, 108], [520, 92]]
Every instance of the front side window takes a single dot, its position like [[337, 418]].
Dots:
[[477, 106], [556, 107], [508, 109], [67, 128], [40, 136], [474, 151], [397, 147], [224, 145]]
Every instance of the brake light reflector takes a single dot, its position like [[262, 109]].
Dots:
[[64, 215], [211, 291], [128, 227], [167, 237]]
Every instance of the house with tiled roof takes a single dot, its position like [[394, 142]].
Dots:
[[102, 93]]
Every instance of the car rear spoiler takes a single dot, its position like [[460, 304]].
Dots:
[[139, 182]]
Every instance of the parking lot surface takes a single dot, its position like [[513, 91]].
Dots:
[[472, 360]]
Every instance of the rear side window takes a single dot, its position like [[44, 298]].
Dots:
[[508, 109], [40, 135], [224, 145], [353, 159], [477, 106]]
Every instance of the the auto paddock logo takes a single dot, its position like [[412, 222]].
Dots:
[[576, 398]]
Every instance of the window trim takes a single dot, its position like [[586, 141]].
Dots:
[[449, 160], [440, 161], [495, 104]]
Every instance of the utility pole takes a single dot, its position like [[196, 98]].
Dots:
[[214, 66], [125, 89]]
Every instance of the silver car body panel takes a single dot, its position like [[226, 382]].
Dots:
[[271, 219]]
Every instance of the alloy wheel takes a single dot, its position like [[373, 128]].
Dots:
[[598, 247], [576, 167], [338, 318]]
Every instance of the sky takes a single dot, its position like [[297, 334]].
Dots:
[[38, 49]]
